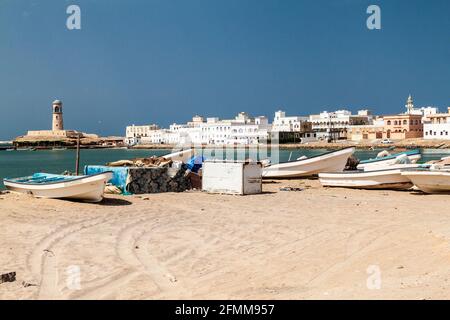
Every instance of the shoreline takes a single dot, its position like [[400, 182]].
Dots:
[[404, 144], [326, 146], [416, 143]]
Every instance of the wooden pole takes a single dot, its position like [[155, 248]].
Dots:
[[77, 162]]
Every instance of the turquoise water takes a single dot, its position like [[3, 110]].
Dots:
[[22, 163]]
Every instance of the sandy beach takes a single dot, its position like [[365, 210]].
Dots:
[[318, 243]]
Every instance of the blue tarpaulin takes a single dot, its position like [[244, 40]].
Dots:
[[120, 175], [195, 163]]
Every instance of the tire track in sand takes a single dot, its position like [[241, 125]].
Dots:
[[128, 240], [42, 262]]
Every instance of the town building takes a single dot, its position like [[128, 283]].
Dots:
[[290, 124], [438, 126], [134, 134], [243, 129], [334, 125], [365, 132], [291, 129], [403, 126], [409, 124]]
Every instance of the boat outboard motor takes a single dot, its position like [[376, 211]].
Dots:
[[352, 163]]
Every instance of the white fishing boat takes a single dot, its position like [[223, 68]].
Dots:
[[327, 162], [387, 178], [89, 188], [183, 156], [432, 181], [405, 166], [435, 151], [411, 156]]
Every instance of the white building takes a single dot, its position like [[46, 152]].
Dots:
[[241, 130], [334, 125], [248, 133], [292, 128], [133, 134], [288, 124], [437, 126]]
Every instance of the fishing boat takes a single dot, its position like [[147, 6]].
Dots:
[[412, 155], [404, 166], [386, 178], [88, 188], [183, 156], [432, 181], [327, 162], [59, 149], [435, 151]]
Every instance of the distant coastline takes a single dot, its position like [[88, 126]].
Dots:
[[99, 144]]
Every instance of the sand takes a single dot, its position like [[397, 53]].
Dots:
[[318, 243]]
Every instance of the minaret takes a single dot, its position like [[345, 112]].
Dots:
[[57, 116], [409, 105]]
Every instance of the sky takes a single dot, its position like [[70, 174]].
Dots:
[[163, 61]]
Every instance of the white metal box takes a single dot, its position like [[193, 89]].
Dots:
[[231, 177]]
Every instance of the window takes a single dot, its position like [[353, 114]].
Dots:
[[405, 121], [389, 122]]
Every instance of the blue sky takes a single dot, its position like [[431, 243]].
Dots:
[[162, 61]]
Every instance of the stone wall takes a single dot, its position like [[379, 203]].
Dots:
[[53, 133], [156, 180]]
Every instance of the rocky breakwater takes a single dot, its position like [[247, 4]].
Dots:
[[157, 179]]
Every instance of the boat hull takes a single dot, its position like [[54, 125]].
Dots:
[[330, 162], [430, 181], [379, 163], [381, 179], [86, 188], [183, 156], [404, 166]]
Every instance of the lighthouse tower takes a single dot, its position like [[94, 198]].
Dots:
[[57, 123]]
